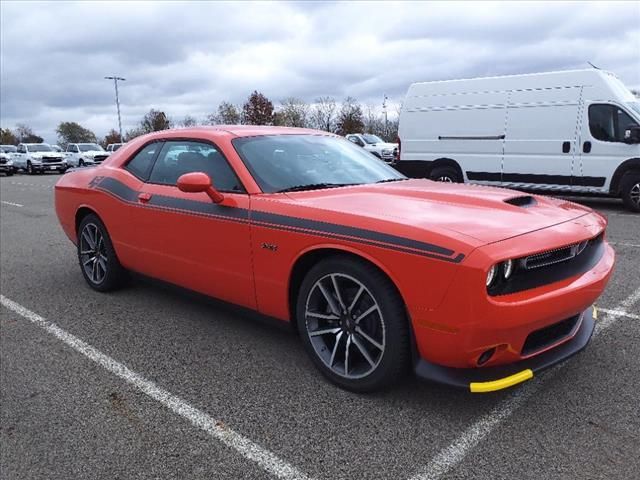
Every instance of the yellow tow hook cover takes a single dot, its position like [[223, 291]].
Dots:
[[506, 382]]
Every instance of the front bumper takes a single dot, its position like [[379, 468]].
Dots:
[[49, 167], [7, 168], [489, 379]]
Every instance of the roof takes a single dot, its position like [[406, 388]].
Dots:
[[245, 130]]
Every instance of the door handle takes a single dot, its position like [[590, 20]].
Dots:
[[586, 147], [144, 197], [566, 147]]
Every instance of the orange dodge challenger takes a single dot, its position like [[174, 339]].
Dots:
[[474, 287]]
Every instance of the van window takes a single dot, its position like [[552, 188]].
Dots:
[[608, 122]]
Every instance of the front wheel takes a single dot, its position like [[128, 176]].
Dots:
[[81, 163], [631, 191], [98, 261], [30, 170], [353, 324]]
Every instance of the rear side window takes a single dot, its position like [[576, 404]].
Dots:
[[179, 157], [608, 122], [140, 165]]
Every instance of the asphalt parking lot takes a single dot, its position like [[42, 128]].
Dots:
[[211, 392]]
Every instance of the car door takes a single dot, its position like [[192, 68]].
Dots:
[[603, 148], [185, 238]]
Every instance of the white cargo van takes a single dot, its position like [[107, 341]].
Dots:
[[572, 132]]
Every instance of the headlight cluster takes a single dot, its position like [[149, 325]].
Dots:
[[500, 271]]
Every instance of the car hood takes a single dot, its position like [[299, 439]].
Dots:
[[473, 211], [383, 145], [94, 153]]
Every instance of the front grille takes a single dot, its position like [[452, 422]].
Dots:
[[547, 336], [99, 158], [551, 266], [3, 161], [51, 160]]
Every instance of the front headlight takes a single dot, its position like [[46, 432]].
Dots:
[[36, 160], [10, 163]]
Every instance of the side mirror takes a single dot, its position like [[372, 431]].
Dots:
[[632, 135], [196, 182]]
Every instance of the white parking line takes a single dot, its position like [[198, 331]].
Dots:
[[245, 447], [626, 244], [619, 313], [452, 455], [12, 204]]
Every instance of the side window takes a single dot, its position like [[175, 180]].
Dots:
[[141, 163], [179, 157], [608, 122]]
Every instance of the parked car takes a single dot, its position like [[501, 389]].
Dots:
[[38, 158], [477, 288], [57, 148], [10, 149], [564, 132], [6, 164], [374, 144], [82, 154], [112, 147]]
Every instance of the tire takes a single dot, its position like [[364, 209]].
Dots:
[[445, 174], [9, 173], [98, 259], [81, 163], [30, 170], [383, 333], [630, 191]]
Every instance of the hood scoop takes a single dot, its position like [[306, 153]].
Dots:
[[524, 201]]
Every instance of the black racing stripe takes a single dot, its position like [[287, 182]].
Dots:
[[349, 232], [198, 207], [117, 188], [282, 222]]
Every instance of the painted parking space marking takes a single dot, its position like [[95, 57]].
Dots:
[[449, 457], [12, 204], [216, 429], [619, 313], [623, 244]]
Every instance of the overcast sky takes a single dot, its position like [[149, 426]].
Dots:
[[185, 58]]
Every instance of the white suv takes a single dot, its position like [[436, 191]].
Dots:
[[81, 154], [374, 144], [112, 147]]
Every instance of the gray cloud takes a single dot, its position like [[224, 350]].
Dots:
[[184, 58]]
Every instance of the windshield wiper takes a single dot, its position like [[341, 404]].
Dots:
[[392, 180], [313, 186]]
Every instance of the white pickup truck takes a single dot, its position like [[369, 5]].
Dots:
[[38, 158], [374, 144], [81, 154]]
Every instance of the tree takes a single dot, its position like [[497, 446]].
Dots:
[[154, 121], [293, 113], [373, 122], [72, 132], [350, 117], [323, 114], [25, 134], [111, 137], [258, 110], [7, 137], [133, 133], [188, 121], [228, 114]]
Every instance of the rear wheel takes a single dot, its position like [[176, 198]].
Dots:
[[98, 261], [353, 324], [445, 174], [630, 189]]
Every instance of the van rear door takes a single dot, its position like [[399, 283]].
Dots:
[[540, 147]]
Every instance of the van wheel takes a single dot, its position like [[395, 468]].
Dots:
[[631, 191], [445, 174]]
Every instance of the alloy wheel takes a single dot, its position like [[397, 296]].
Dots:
[[345, 325], [634, 194], [445, 179], [93, 253]]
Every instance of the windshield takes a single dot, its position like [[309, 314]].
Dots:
[[635, 106], [372, 139], [39, 147], [280, 162], [8, 149], [88, 147]]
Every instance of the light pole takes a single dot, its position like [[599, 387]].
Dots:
[[384, 109], [115, 82]]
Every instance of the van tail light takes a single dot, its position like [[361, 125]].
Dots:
[[398, 150]]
